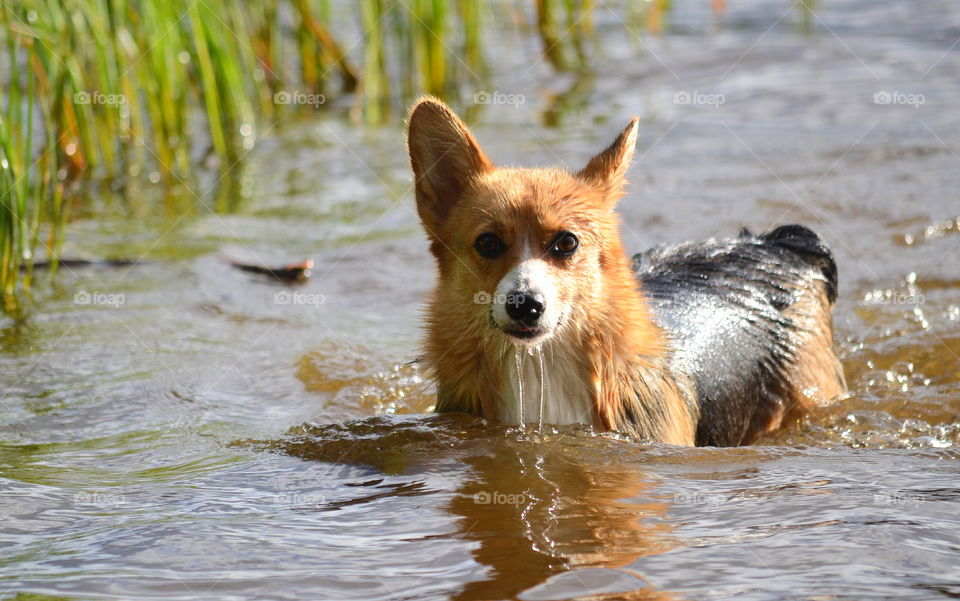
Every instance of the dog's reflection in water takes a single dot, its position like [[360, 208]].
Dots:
[[539, 509], [559, 515]]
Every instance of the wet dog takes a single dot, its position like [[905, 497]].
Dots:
[[540, 315]]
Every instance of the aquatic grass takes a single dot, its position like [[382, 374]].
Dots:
[[20, 217], [108, 89], [375, 86], [113, 90]]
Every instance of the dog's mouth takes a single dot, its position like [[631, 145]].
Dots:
[[523, 332]]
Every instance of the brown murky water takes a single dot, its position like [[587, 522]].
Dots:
[[146, 415]]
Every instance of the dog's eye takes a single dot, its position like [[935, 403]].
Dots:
[[564, 245], [489, 245]]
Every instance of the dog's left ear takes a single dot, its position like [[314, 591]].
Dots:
[[608, 169]]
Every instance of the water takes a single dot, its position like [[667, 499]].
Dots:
[[147, 446]]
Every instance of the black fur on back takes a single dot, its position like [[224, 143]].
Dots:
[[722, 303]]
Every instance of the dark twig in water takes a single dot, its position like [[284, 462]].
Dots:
[[297, 272]]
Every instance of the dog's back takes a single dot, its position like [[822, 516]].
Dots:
[[750, 320]]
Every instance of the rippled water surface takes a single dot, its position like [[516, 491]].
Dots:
[[195, 432]]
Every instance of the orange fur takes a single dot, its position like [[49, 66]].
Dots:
[[621, 355]]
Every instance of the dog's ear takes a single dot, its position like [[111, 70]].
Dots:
[[608, 169], [444, 156]]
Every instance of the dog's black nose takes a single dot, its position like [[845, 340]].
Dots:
[[525, 307]]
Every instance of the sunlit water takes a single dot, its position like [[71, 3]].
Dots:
[[194, 432]]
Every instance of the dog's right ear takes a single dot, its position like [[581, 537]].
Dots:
[[444, 156], [608, 170]]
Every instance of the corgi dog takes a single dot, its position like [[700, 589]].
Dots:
[[539, 315]]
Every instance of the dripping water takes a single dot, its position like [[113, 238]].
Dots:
[[519, 360], [540, 373], [542, 381]]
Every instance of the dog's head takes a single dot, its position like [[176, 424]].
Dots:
[[520, 251]]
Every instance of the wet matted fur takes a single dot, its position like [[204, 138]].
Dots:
[[750, 321]]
